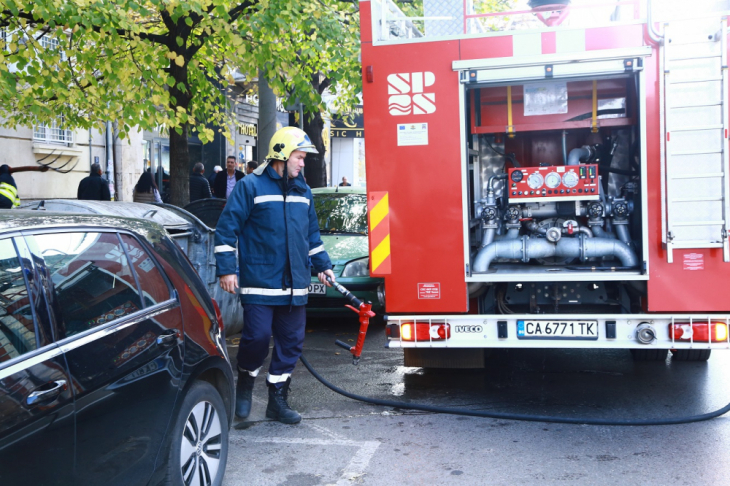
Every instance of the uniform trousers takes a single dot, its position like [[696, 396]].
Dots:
[[260, 322]]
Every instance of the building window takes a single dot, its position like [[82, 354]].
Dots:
[[52, 133], [49, 42]]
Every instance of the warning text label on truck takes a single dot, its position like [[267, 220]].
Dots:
[[693, 261], [412, 134], [429, 290]]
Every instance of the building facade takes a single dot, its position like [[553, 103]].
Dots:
[[69, 155]]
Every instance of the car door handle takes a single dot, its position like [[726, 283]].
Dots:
[[168, 339], [44, 395]]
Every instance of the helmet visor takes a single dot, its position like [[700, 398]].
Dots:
[[310, 149]]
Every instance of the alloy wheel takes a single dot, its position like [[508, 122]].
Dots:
[[200, 450]]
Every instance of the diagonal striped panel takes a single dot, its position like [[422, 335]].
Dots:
[[379, 233]]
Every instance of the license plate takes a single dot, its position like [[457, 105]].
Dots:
[[557, 329], [317, 289]]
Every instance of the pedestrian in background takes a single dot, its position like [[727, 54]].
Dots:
[[146, 190], [94, 187], [251, 166], [199, 187], [226, 180], [211, 179], [276, 208], [8, 189], [344, 182]]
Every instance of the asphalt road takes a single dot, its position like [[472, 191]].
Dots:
[[342, 441]]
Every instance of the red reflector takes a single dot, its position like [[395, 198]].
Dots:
[[219, 317], [698, 332], [424, 331]]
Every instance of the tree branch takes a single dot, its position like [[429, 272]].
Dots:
[[233, 13]]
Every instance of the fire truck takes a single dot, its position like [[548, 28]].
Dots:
[[547, 178]]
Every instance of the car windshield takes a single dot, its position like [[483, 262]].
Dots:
[[341, 213]]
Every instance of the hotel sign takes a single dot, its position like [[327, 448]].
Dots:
[[348, 125], [248, 129]]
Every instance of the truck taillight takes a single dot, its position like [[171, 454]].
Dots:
[[424, 331], [698, 331], [219, 318]]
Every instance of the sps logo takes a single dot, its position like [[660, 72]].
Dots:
[[406, 90]]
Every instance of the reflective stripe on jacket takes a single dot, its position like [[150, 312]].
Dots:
[[9, 191], [276, 238]]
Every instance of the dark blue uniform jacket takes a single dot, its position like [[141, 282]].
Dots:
[[276, 235]]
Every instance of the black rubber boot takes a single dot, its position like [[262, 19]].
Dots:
[[278, 409], [244, 393]]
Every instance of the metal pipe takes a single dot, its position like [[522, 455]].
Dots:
[[488, 236], [527, 248], [601, 233], [653, 35], [622, 231], [540, 210], [578, 154], [91, 157], [565, 147], [535, 228], [490, 185]]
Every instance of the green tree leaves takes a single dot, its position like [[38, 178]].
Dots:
[[151, 63]]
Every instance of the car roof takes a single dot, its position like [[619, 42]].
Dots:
[[19, 219], [339, 189]]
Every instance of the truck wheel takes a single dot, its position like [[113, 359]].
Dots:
[[691, 354], [199, 447], [649, 354]]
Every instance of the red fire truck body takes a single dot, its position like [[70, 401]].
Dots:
[[565, 187]]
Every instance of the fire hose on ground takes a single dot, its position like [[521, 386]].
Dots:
[[363, 309]]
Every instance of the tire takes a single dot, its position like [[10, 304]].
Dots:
[[199, 456], [649, 354], [691, 354]]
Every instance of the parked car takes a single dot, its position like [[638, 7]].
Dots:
[[342, 215], [113, 364]]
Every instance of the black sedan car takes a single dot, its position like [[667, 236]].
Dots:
[[113, 365]]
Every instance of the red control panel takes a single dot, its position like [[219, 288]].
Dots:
[[553, 183]]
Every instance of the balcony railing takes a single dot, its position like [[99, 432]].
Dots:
[[454, 18]]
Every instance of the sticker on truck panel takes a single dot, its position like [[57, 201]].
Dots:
[[429, 290], [557, 329], [412, 134], [693, 261]]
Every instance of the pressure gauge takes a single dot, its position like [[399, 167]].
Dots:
[[535, 180], [516, 176], [552, 180], [570, 179]]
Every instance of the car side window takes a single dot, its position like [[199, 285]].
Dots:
[[17, 330], [153, 284], [92, 279]]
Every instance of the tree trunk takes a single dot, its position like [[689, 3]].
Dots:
[[118, 165], [179, 167], [179, 153], [267, 117], [315, 169]]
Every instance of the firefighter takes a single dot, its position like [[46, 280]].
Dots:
[[8, 189], [271, 218]]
